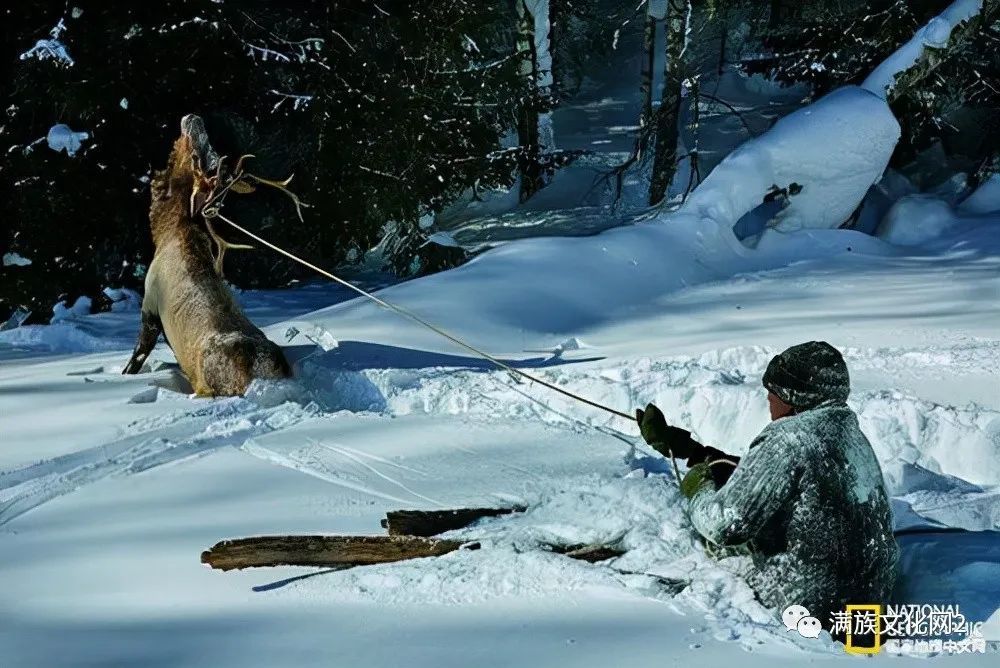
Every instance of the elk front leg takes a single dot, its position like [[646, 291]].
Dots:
[[149, 332]]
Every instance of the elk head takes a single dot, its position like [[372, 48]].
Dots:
[[198, 175], [206, 165]]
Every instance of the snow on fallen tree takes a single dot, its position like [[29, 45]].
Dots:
[[835, 149], [935, 35]]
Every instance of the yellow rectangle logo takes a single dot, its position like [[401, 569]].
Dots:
[[849, 646]]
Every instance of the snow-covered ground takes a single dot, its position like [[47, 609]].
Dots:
[[110, 485]]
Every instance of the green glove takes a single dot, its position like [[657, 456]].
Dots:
[[664, 438], [697, 477]]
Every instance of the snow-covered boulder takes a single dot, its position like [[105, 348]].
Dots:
[[986, 198], [916, 219], [835, 149]]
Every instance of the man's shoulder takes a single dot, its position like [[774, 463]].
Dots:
[[807, 423]]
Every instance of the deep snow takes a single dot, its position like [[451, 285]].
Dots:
[[112, 486]]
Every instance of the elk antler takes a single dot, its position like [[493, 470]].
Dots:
[[222, 245], [238, 183], [240, 186]]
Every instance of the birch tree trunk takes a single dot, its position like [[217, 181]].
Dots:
[[668, 114]]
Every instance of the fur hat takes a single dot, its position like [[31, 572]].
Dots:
[[808, 374]]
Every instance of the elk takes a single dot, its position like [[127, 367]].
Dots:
[[218, 348]]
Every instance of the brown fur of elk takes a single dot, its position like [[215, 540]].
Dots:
[[217, 347]]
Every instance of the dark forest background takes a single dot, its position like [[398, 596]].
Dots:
[[388, 110]]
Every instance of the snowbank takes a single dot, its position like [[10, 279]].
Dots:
[[61, 337]]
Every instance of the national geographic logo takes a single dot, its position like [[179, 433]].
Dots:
[[900, 629]]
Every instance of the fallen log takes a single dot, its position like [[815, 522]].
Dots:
[[589, 553], [434, 522], [327, 551], [349, 551]]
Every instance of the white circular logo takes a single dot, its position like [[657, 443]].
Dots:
[[792, 615], [809, 627]]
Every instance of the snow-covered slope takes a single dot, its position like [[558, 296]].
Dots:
[[111, 487]]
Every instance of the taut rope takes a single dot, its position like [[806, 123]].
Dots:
[[212, 209], [406, 313]]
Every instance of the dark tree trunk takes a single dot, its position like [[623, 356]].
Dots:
[[723, 43], [646, 83], [527, 124], [667, 116]]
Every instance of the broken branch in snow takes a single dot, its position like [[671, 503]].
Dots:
[[327, 551], [589, 553], [433, 522]]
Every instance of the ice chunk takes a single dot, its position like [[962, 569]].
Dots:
[[146, 396], [16, 319], [313, 333]]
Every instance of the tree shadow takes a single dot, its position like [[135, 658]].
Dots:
[[361, 356]]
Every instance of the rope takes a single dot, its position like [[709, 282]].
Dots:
[[406, 313], [214, 212], [212, 209]]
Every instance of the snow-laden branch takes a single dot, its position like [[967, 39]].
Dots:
[[52, 48], [934, 35], [297, 100]]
